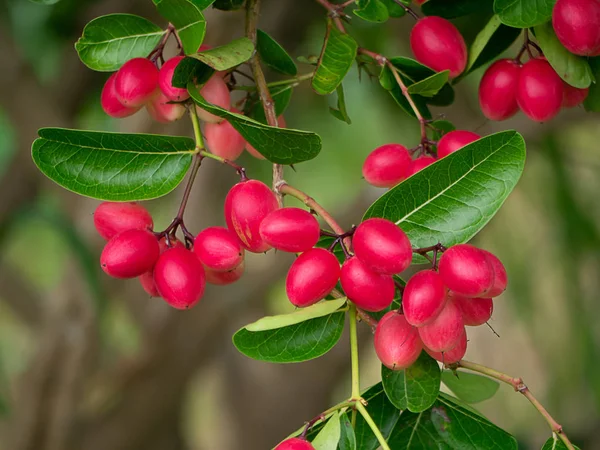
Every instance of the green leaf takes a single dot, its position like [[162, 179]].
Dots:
[[394, 9], [372, 10], [592, 101], [554, 443], [440, 127], [110, 41], [274, 55], [414, 388], [294, 343], [45, 2], [191, 70], [339, 52], [281, 96], [384, 414], [524, 13], [202, 4], [300, 315], [228, 5], [329, 436], [227, 56], [451, 200], [347, 437], [188, 20], [341, 113], [470, 387], [430, 85], [113, 166], [278, 145], [451, 9], [573, 69]]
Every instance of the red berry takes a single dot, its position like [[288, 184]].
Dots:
[[419, 164], [454, 355], [397, 343], [136, 81], [466, 270], [455, 140], [576, 24], [424, 297], [386, 166], [111, 104], [223, 140], [540, 90], [129, 254], [437, 43], [165, 78], [290, 230], [500, 276], [369, 290], [246, 205], [147, 282], [161, 110], [295, 444], [445, 331], [224, 278], [382, 246], [179, 277], [312, 276], [216, 92], [218, 249], [475, 311], [281, 124], [573, 96], [498, 90], [112, 218]]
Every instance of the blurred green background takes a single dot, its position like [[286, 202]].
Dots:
[[90, 363]]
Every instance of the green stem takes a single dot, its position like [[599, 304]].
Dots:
[[354, 353], [197, 132], [374, 428], [295, 80]]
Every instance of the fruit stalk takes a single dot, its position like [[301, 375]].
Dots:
[[376, 431]]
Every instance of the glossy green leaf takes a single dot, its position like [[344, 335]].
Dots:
[[573, 69], [430, 85], [340, 113], [394, 9], [414, 388], [470, 387], [191, 70], [372, 10], [274, 55], [329, 436], [524, 13], [188, 20], [554, 443], [228, 5], [592, 101], [281, 96], [450, 9], [110, 41], [339, 52], [113, 166], [278, 145], [347, 437], [384, 414], [451, 200], [202, 4], [294, 343], [300, 315], [440, 127], [227, 56]]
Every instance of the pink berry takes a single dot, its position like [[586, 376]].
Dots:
[[424, 297], [136, 81], [179, 277], [295, 444], [498, 90], [573, 96], [129, 254], [216, 92], [500, 276], [223, 140], [312, 276], [576, 23], [165, 78], [369, 290], [455, 140], [445, 331], [218, 249], [246, 205], [290, 230], [147, 282], [454, 355], [111, 104], [224, 278], [475, 311], [466, 270], [162, 110], [382, 246], [539, 91], [397, 343], [386, 166], [437, 43], [419, 164], [112, 218], [281, 124]]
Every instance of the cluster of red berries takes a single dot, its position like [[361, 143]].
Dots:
[[388, 165], [437, 305]]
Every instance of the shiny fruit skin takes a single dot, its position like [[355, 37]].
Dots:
[[281, 124], [179, 277], [136, 82], [419, 164], [475, 311], [165, 79], [311, 277], [387, 165], [223, 140], [577, 25], [454, 141], [147, 282], [224, 278], [500, 275], [573, 96], [539, 91], [161, 110], [129, 254], [454, 355], [218, 249], [424, 298], [397, 343], [295, 444], [216, 92], [498, 90], [111, 105], [112, 218], [445, 331], [369, 290], [466, 270], [290, 230]]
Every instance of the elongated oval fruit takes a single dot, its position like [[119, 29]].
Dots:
[[424, 297], [111, 104], [216, 92], [246, 205], [129, 254], [437, 43], [165, 80], [112, 218], [397, 342], [295, 444], [179, 277], [281, 124], [224, 278], [161, 110], [147, 282], [290, 230], [500, 276], [386, 166], [419, 164], [223, 140], [312, 276], [540, 90], [576, 24], [466, 270], [573, 96], [498, 90], [218, 249], [382, 246], [454, 141], [136, 82], [369, 290], [445, 331], [475, 311], [454, 355]]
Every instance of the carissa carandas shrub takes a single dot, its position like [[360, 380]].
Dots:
[[440, 192]]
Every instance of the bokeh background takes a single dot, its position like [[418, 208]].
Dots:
[[87, 362]]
